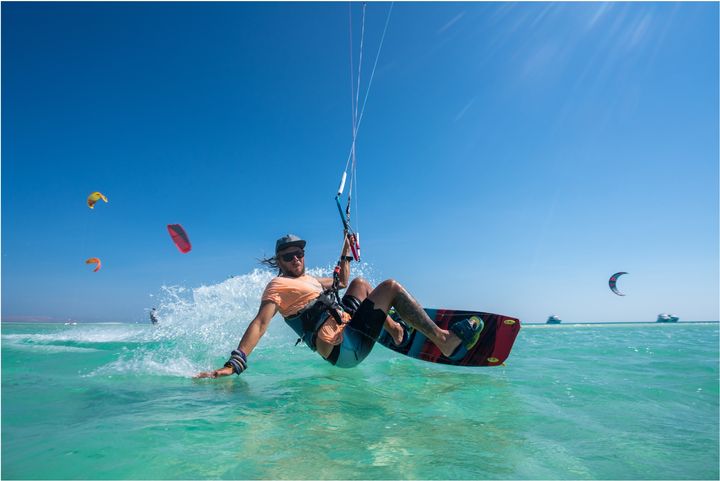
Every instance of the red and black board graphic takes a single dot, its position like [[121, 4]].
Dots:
[[493, 347]]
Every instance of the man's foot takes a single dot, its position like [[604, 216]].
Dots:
[[465, 332], [451, 344], [395, 330]]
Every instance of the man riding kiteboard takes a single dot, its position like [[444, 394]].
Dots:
[[342, 331]]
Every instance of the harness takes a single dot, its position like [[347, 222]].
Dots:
[[307, 322]]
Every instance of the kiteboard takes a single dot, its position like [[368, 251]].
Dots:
[[492, 348]]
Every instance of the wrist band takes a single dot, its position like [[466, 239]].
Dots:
[[347, 258], [237, 361]]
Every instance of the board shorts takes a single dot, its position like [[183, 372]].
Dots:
[[360, 334]]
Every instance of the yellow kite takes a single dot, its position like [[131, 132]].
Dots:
[[94, 197]]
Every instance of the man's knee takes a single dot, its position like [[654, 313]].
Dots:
[[359, 287], [390, 285], [359, 282]]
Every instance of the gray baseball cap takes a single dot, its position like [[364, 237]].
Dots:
[[289, 240]]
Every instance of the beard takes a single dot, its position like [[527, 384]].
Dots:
[[287, 274]]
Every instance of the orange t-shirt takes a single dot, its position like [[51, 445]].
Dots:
[[291, 294]]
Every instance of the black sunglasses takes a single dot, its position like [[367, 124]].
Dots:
[[291, 255]]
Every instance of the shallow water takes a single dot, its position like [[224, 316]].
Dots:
[[116, 401]]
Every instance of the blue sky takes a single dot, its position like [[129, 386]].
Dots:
[[512, 156]]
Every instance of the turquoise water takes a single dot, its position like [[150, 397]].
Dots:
[[116, 401]]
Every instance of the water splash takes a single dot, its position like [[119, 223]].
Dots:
[[197, 328]]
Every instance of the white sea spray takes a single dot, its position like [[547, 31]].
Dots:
[[198, 327]]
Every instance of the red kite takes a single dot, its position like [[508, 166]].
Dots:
[[179, 237]]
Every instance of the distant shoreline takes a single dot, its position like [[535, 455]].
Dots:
[[616, 323]]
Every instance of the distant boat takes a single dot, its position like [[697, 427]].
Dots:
[[667, 318], [553, 320]]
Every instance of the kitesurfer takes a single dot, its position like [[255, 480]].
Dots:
[[343, 334]]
